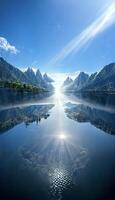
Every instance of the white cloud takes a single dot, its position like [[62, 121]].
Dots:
[[5, 45], [105, 20]]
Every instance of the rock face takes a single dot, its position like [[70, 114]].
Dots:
[[79, 82], [39, 77], [42, 82], [103, 81], [47, 78], [91, 78], [10, 73], [67, 82], [31, 75]]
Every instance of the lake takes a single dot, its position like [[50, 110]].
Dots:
[[57, 146]]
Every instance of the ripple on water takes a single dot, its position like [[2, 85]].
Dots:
[[60, 173], [60, 179]]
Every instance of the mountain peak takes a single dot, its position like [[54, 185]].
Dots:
[[67, 81], [45, 74], [38, 74], [79, 81], [83, 74], [30, 70], [68, 78], [1, 58], [82, 77], [47, 78]]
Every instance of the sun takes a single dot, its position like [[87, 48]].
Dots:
[[62, 136]]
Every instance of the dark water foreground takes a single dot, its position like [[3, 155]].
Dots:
[[57, 147]]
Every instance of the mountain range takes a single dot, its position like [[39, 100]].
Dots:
[[104, 80], [11, 73]]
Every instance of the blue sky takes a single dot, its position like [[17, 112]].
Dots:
[[43, 33]]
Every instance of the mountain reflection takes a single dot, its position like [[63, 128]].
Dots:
[[11, 97], [104, 99], [101, 119], [27, 114]]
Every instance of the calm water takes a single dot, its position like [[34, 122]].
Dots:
[[57, 147]]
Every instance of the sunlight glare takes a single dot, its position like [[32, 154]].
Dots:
[[62, 136]]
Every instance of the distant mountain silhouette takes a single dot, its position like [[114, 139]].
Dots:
[[11, 73], [102, 81], [67, 82], [47, 78], [79, 82], [31, 76]]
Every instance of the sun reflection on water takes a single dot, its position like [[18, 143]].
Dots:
[[56, 155], [59, 179], [62, 136]]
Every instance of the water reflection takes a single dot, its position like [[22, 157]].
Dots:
[[58, 157], [27, 114], [60, 179], [105, 99], [101, 119], [11, 97], [57, 160], [62, 136]]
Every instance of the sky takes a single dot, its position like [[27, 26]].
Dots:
[[58, 36]]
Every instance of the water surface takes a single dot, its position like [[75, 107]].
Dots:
[[57, 146]]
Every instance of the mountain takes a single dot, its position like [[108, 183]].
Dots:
[[67, 82], [31, 76], [47, 78], [91, 78], [36, 79], [79, 82], [42, 82], [11, 73], [104, 80], [39, 77]]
